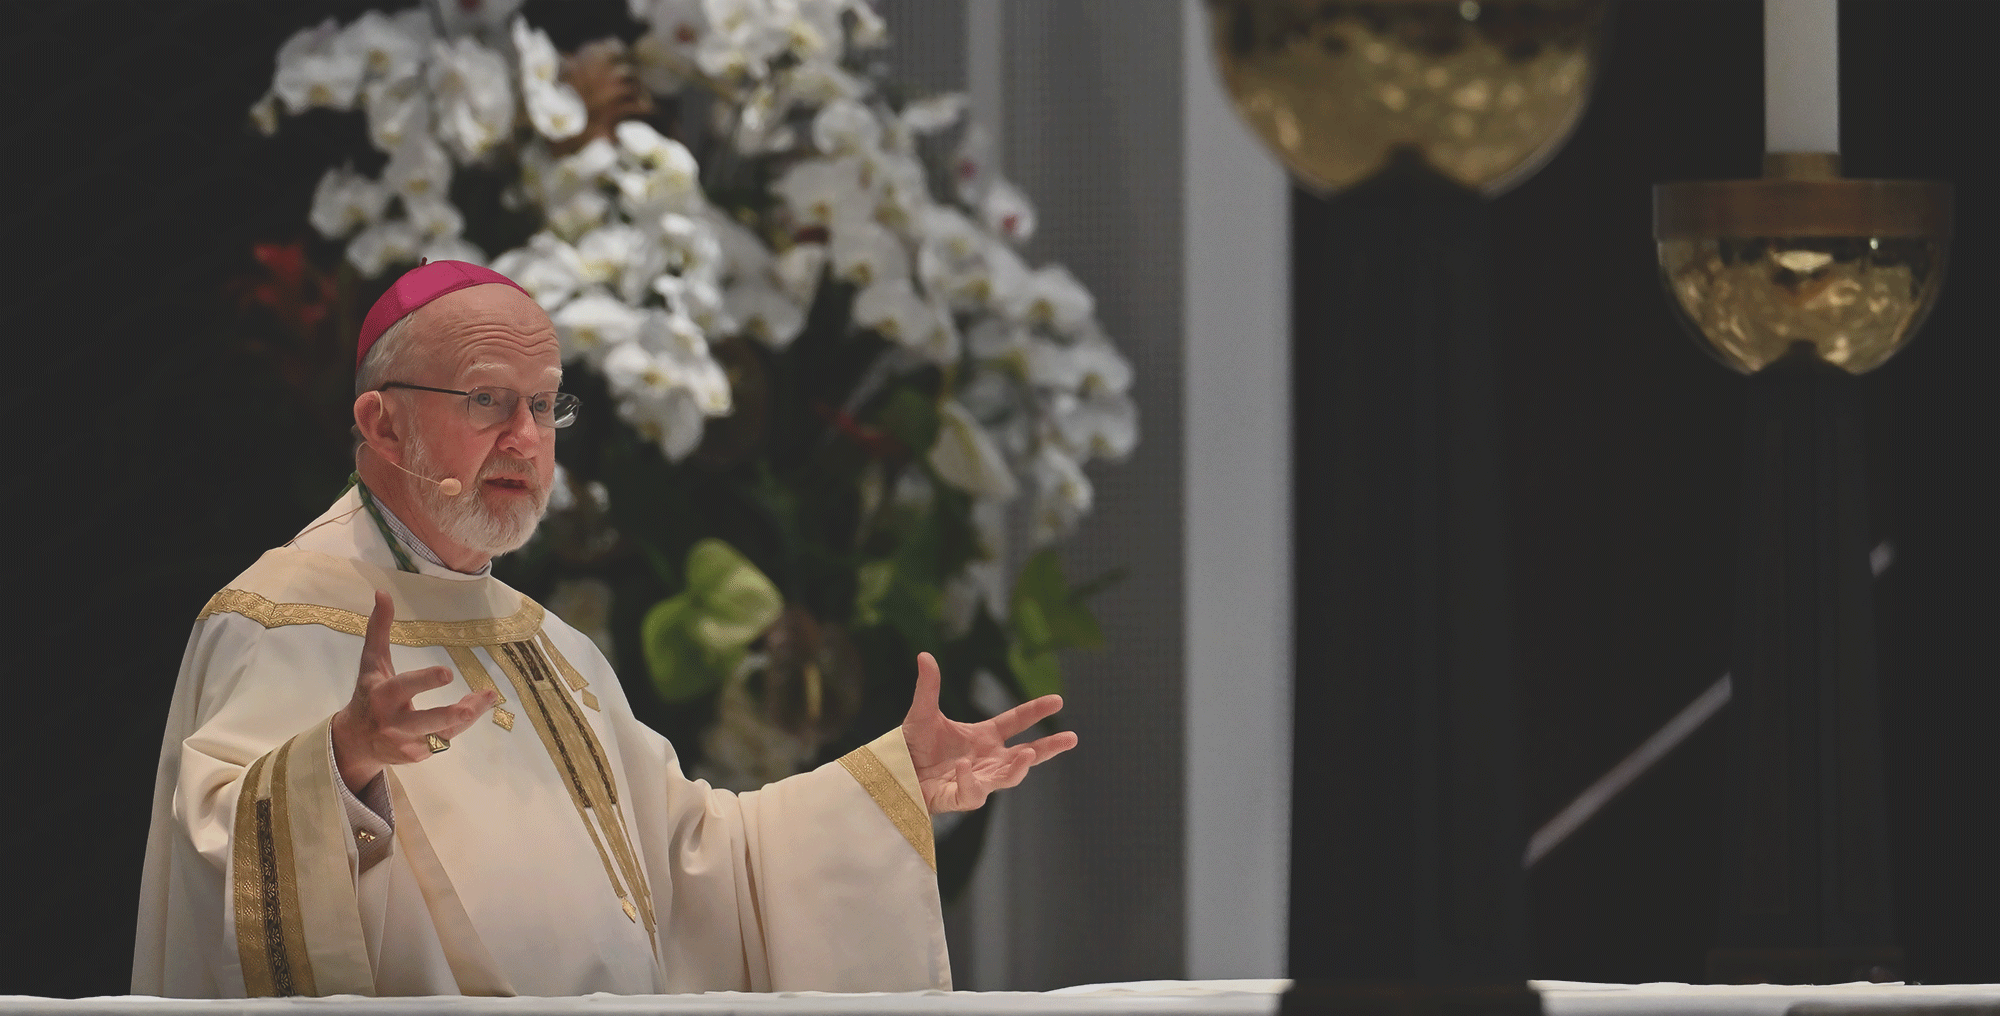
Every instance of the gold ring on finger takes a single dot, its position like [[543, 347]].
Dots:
[[436, 743]]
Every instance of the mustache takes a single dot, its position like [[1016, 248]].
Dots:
[[514, 469]]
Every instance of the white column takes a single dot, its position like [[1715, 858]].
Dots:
[[1237, 318], [1801, 76], [987, 961], [985, 66]]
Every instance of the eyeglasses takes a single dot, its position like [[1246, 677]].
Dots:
[[489, 405]]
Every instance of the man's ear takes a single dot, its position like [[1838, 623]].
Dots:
[[379, 427]]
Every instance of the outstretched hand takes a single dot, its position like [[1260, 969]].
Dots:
[[958, 764], [380, 726]]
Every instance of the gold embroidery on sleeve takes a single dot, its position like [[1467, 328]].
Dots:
[[252, 867], [270, 936], [291, 927], [522, 624], [904, 814]]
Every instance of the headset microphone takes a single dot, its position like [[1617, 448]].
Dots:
[[449, 486]]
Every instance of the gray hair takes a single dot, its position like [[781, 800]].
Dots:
[[385, 358], [391, 352]]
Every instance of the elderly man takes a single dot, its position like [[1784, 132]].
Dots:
[[311, 834]]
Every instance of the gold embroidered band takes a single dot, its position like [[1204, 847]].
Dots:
[[522, 624], [477, 679], [270, 939], [580, 759], [908, 818]]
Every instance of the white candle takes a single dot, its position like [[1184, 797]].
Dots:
[[1801, 76]]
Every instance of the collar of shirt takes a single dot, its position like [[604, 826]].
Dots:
[[418, 547]]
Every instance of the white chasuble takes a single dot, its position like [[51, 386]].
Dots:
[[555, 849]]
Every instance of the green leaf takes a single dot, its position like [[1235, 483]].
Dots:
[[679, 672], [871, 585], [1037, 673], [694, 640], [911, 417], [1047, 613]]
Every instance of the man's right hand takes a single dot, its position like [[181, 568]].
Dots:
[[379, 726]]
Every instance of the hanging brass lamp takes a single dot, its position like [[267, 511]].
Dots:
[[1483, 93], [1847, 267]]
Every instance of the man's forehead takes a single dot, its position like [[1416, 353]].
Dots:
[[494, 371]]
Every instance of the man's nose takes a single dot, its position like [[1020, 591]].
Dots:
[[521, 435]]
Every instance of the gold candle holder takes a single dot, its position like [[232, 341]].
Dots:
[[1484, 93], [1756, 267]]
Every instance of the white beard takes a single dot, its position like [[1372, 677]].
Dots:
[[467, 519]]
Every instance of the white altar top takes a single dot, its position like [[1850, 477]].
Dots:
[[1164, 998]]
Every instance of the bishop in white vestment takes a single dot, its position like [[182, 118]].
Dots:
[[312, 836]]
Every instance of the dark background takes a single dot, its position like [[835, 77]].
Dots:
[[160, 459]]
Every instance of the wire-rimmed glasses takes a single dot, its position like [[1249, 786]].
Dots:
[[488, 405]]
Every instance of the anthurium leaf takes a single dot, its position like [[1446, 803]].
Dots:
[[736, 603], [692, 641], [1037, 673], [675, 663], [871, 584], [911, 417], [1048, 614]]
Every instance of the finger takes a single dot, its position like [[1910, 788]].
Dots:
[[925, 700], [375, 642], [1026, 715], [1010, 772], [446, 721], [967, 794], [1049, 747], [397, 691]]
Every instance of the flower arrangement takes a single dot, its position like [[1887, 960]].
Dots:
[[827, 382]]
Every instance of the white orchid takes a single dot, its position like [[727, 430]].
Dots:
[[386, 243], [798, 271], [865, 253], [579, 213], [813, 190], [652, 400], [553, 106], [681, 349], [606, 250], [345, 201], [700, 299], [1103, 426], [398, 111], [582, 169], [691, 246], [967, 458], [765, 313], [1052, 298], [1008, 212], [419, 170], [594, 322], [743, 253], [391, 46], [548, 268], [474, 94], [1103, 368], [1063, 495], [937, 113], [819, 82], [894, 310], [846, 127], [318, 69], [434, 216]]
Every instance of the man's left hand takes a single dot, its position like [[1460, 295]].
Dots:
[[958, 764]]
